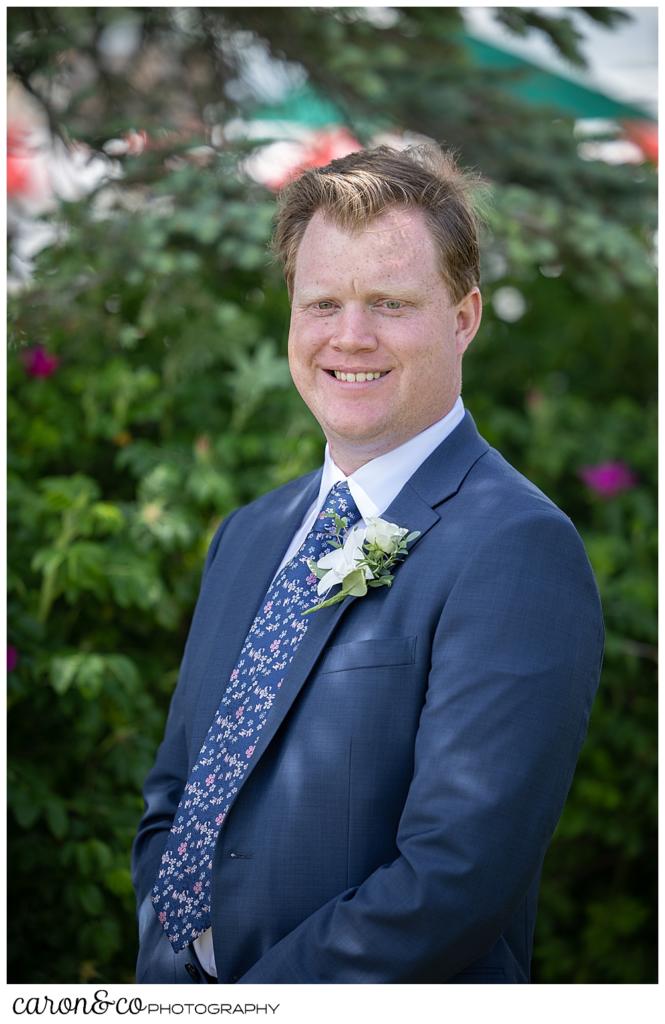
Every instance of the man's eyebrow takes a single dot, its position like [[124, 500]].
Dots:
[[410, 290], [406, 291]]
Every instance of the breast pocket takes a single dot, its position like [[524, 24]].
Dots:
[[375, 653]]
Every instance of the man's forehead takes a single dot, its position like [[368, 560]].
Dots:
[[397, 222], [387, 244]]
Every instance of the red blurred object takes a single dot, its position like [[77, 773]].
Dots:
[[136, 142], [645, 135], [320, 149], [20, 179], [38, 362]]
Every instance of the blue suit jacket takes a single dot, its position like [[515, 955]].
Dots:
[[395, 815]]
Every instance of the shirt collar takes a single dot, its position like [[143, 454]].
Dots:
[[376, 484]]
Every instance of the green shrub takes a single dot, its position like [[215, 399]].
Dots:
[[148, 395]]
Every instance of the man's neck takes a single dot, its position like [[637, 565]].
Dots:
[[350, 458], [349, 461]]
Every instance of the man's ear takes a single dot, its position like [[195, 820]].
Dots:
[[468, 317]]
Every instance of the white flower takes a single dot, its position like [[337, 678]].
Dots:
[[365, 560], [343, 561], [387, 535]]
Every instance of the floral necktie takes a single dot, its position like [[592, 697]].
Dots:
[[182, 892]]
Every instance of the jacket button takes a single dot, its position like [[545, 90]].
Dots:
[[192, 972], [233, 854]]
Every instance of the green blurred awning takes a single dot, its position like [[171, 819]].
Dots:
[[547, 88], [304, 106], [532, 84]]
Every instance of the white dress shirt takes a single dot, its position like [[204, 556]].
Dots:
[[373, 487]]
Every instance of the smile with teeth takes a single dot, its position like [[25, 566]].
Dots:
[[359, 378]]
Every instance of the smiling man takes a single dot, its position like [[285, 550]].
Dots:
[[392, 661]]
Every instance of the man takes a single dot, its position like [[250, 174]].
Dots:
[[365, 792]]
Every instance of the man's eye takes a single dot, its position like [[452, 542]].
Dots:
[[393, 304], [324, 305]]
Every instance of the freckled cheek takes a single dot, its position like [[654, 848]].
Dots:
[[304, 343], [302, 354]]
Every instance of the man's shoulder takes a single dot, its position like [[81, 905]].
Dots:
[[281, 506], [485, 485], [501, 501], [486, 489], [279, 497], [508, 487]]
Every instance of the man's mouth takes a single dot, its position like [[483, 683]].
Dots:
[[357, 378]]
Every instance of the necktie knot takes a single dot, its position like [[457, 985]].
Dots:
[[339, 502]]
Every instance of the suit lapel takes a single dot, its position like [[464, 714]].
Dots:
[[442, 474], [439, 477]]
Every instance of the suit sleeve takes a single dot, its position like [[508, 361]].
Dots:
[[166, 781], [514, 667]]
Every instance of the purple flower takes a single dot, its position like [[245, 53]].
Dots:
[[38, 362], [12, 658], [608, 478]]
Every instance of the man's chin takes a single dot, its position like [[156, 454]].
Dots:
[[357, 435]]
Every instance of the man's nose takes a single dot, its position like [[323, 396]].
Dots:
[[354, 330]]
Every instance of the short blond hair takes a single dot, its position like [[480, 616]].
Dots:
[[355, 189]]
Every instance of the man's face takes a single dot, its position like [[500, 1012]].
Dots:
[[374, 302]]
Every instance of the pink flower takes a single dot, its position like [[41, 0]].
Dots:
[[12, 658], [250, 750], [608, 478], [197, 887], [267, 607], [162, 917], [38, 362], [210, 779], [182, 848], [310, 579], [219, 819], [234, 675], [274, 646]]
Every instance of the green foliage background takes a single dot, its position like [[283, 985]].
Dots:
[[171, 405]]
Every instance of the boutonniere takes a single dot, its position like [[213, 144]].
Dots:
[[364, 558]]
